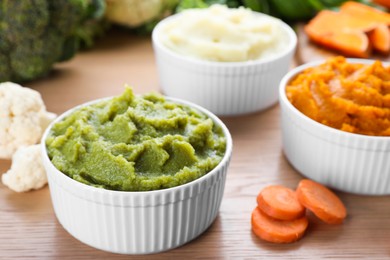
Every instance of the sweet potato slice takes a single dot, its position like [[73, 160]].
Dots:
[[329, 21], [342, 32], [350, 43], [385, 3], [380, 38], [364, 11]]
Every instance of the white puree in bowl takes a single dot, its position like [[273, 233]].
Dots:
[[219, 33]]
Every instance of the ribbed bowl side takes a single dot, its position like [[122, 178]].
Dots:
[[224, 90], [108, 221], [347, 162]]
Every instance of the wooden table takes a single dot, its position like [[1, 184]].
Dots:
[[29, 228]]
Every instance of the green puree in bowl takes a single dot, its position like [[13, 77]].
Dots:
[[136, 143]]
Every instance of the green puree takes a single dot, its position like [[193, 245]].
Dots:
[[136, 143]]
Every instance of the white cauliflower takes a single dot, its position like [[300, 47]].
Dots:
[[23, 118], [27, 171], [133, 13]]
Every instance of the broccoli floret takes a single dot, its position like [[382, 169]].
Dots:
[[5, 68], [59, 14], [35, 34], [24, 19], [30, 58]]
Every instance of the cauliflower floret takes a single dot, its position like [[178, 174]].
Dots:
[[23, 118], [27, 171], [133, 12]]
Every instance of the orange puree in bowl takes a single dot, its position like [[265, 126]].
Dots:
[[352, 97]]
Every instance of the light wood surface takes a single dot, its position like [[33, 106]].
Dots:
[[30, 230]]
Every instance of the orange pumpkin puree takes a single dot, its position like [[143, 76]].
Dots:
[[352, 97]]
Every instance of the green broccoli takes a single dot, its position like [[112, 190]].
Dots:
[[35, 34]]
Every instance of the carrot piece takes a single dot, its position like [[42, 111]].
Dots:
[[342, 32], [280, 202], [329, 21], [380, 35], [380, 38], [385, 3], [349, 43], [321, 201], [362, 10], [277, 231]]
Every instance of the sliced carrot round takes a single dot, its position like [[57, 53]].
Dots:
[[280, 202], [277, 231], [321, 201]]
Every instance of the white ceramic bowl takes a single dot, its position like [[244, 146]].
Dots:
[[345, 161], [224, 88], [137, 222]]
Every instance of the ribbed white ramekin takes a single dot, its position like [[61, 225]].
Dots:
[[137, 222], [224, 88], [345, 161]]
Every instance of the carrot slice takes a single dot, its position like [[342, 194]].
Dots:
[[342, 32], [380, 38], [349, 43], [321, 201], [385, 3], [362, 10], [280, 202], [277, 231], [330, 21]]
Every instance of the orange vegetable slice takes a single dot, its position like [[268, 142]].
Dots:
[[349, 43], [328, 21], [341, 32], [385, 3], [280, 202], [380, 38], [277, 231], [321, 201], [364, 11]]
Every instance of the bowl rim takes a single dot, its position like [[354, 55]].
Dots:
[[284, 100], [224, 162], [293, 40]]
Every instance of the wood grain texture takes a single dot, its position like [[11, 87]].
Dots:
[[30, 230]]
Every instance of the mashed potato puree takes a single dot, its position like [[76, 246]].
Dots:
[[222, 34]]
